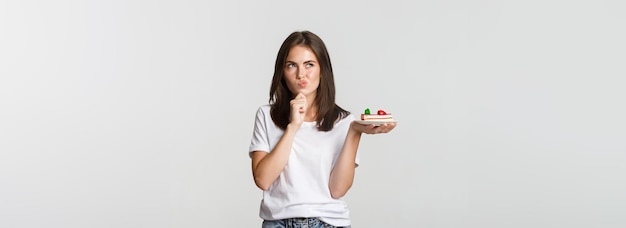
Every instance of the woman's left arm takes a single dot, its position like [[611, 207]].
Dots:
[[342, 175]]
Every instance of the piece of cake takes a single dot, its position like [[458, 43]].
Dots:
[[379, 116]]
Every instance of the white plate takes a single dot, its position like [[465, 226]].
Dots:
[[375, 122]]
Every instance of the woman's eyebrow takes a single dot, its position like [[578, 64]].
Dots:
[[308, 61]]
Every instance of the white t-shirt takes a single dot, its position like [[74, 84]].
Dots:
[[301, 189]]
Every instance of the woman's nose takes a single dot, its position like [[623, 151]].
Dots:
[[300, 74]]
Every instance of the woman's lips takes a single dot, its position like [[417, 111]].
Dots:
[[302, 84]]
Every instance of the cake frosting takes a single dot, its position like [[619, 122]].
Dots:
[[381, 115]]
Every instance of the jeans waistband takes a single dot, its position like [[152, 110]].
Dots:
[[298, 223]]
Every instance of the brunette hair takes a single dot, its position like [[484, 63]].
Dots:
[[328, 112]]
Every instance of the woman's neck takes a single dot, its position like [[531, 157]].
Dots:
[[311, 114]]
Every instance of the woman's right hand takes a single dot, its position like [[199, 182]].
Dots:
[[298, 109]]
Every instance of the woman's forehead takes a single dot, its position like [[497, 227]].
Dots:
[[301, 53]]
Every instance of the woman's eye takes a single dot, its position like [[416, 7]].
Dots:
[[290, 65], [309, 65]]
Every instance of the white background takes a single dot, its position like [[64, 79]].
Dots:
[[139, 113]]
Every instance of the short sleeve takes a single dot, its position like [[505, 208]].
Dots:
[[260, 139]]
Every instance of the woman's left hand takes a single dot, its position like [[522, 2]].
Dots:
[[372, 129]]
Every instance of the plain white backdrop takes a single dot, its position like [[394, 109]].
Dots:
[[139, 113]]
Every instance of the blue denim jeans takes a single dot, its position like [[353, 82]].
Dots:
[[298, 223]]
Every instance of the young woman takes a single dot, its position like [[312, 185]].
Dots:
[[304, 146]]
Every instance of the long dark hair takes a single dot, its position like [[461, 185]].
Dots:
[[328, 112]]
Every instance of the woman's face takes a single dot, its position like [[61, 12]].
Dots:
[[302, 71]]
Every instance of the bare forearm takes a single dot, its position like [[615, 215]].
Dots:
[[271, 165], [342, 175]]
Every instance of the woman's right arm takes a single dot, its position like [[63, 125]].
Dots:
[[267, 166]]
